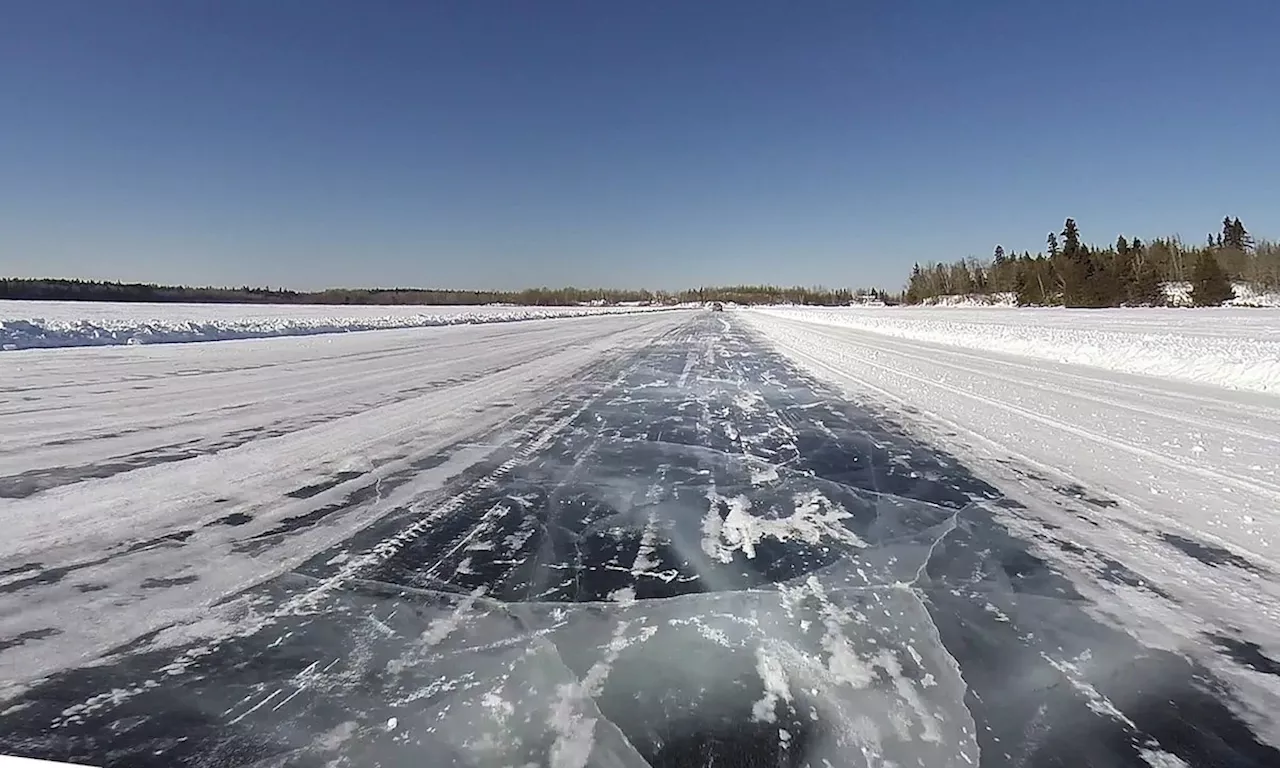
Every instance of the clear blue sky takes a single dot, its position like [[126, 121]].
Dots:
[[501, 144]]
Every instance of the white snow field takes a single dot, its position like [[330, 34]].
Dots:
[[104, 446], [33, 324], [1228, 347], [1144, 465]]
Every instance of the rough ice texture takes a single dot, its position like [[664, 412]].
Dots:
[[1226, 347], [38, 324]]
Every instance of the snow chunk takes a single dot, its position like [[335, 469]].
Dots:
[[815, 517]]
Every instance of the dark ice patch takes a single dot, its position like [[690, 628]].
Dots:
[[24, 568], [23, 637], [1067, 546], [176, 581], [43, 576], [1209, 554], [1118, 573], [1247, 653], [167, 541], [307, 491], [1080, 493], [289, 525], [31, 482], [234, 519]]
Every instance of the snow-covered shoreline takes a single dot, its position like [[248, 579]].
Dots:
[[1175, 295], [46, 324], [1235, 348]]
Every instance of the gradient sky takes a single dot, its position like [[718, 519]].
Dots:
[[312, 143]]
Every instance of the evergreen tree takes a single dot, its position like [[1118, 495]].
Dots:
[[915, 285], [1000, 277], [1143, 285], [1209, 284], [1024, 286], [1240, 237], [1070, 239], [1234, 235], [1053, 245], [1110, 281], [1029, 281], [1076, 271], [1122, 246]]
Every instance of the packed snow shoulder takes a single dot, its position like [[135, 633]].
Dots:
[[1226, 347]]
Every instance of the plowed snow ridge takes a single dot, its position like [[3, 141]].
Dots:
[[41, 324]]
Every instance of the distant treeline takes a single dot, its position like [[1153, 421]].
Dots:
[[1075, 274], [91, 290], [772, 294]]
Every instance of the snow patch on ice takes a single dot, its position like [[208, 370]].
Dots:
[[774, 678], [814, 518], [625, 595], [762, 473], [1158, 758]]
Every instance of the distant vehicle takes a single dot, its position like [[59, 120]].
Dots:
[[717, 306]]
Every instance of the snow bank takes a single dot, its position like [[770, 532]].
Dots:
[[1001, 299], [1179, 295], [1223, 346], [36, 324], [1176, 294]]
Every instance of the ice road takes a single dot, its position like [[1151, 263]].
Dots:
[[666, 539]]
